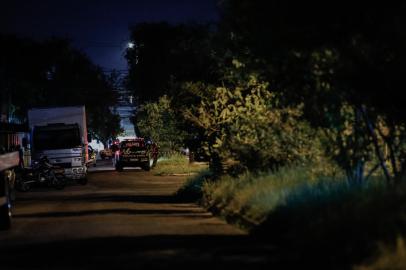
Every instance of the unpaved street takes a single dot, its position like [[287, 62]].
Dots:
[[121, 220]]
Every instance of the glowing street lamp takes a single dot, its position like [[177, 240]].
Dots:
[[130, 45]]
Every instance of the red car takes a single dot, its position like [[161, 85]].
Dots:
[[139, 152]]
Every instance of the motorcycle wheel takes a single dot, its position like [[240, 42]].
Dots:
[[23, 186]]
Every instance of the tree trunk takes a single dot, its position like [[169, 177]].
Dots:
[[378, 150], [389, 143]]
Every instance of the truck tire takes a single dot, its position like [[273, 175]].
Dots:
[[83, 181], [60, 182], [119, 167], [146, 166]]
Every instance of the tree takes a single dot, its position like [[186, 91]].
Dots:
[[165, 55], [246, 124], [350, 60], [157, 120], [52, 73]]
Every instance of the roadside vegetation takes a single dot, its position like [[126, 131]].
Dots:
[[390, 257], [304, 136], [192, 189], [177, 164], [325, 221]]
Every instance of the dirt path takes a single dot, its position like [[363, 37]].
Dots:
[[121, 220]]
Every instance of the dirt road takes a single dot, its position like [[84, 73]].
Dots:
[[121, 220]]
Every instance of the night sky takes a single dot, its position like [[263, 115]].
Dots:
[[99, 28]]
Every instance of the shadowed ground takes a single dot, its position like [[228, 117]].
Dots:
[[123, 220]]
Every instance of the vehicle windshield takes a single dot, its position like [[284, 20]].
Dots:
[[56, 139]]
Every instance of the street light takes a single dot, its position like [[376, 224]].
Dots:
[[130, 45]]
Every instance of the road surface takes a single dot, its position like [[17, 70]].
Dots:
[[122, 220]]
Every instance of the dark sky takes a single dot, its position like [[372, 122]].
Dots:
[[100, 28]]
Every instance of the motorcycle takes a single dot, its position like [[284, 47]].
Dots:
[[41, 173]]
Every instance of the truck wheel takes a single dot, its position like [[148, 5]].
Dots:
[[60, 182], [60, 186], [119, 167], [146, 166], [83, 181]]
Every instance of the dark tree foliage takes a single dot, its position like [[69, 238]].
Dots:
[[341, 63], [52, 73], [328, 57], [367, 38], [165, 55]]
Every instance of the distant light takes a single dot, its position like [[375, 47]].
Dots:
[[130, 45]]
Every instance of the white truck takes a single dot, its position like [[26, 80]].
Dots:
[[60, 133]]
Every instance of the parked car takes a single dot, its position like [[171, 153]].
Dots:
[[137, 152], [92, 156], [106, 153]]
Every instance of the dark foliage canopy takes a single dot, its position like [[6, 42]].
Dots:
[[52, 73]]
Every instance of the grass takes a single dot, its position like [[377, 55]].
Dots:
[[192, 188], [176, 163], [254, 196], [320, 219]]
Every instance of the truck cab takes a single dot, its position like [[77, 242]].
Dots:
[[62, 144], [60, 133]]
